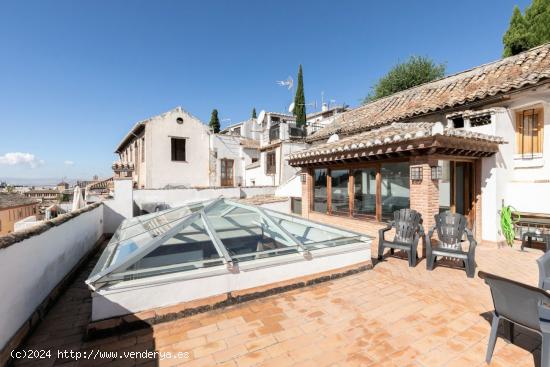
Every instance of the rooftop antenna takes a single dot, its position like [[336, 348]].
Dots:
[[288, 83]]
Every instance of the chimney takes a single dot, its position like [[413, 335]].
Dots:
[[324, 107]]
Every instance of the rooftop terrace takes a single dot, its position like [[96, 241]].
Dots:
[[391, 315]]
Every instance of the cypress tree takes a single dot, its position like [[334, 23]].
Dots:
[[214, 121], [254, 113], [537, 17], [300, 101], [529, 30], [516, 37]]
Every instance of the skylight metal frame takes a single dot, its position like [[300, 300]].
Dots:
[[145, 250], [271, 218]]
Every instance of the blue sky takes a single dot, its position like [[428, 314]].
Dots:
[[76, 75]]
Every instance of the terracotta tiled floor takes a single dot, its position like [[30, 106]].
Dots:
[[389, 316]]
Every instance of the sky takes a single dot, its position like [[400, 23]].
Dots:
[[76, 75]]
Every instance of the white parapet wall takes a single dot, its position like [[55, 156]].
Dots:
[[170, 289], [120, 207], [146, 199], [34, 262]]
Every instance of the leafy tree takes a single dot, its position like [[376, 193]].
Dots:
[[516, 39], [300, 101], [529, 30], [214, 121], [254, 113], [415, 71]]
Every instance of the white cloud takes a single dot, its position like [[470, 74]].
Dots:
[[69, 163], [20, 159]]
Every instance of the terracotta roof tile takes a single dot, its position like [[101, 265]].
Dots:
[[9, 200], [528, 68], [397, 131]]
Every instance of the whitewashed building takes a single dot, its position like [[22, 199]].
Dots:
[[469, 143], [175, 149]]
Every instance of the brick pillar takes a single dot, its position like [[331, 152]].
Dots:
[[306, 192], [424, 195]]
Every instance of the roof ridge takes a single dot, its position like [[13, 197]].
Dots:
[[503, 60], [481, 82]]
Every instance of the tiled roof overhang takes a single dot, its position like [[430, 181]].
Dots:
[[477, 85], [397, 141]]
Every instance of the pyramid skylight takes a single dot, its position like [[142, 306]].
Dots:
[[217, 234]]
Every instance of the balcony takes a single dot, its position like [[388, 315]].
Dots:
[[275, 133], [295, 132], [285, 131]]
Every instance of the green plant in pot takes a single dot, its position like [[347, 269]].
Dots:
[[508, 217]]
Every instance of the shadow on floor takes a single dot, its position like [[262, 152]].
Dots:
[[61, 334], [518, 336]]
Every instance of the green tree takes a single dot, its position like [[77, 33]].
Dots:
[[415, 71], [300, 101], [529, 30], [214, 121], [254, 113], [516, 38]]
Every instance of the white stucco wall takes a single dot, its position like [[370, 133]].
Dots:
[[120, 207], [178, 197], [161, 170], [228, 147], [109, 302], [508, 179], [33, 267], [291, 188], [529, 180]]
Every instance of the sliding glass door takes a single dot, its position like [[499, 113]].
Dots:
[[339, 191], [364, 192]]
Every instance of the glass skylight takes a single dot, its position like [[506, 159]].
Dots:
[[217, 234]]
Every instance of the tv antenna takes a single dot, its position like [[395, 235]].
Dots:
[[288, 83]]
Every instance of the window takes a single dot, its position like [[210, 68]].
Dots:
[[237, 131], [458, 122], [254, 160], [529, 130], [320, 190], [296, 205], [480, 120], [178, 149], [226, 168], [364, 192], [339, 180], [395, 187], [389, 180], [270, 163]]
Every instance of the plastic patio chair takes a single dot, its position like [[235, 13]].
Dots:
[[451, 228], [519, 304], [408, 230], [544, 271]]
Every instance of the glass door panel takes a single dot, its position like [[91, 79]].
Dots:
[[339, 191], [364, 193], [395, 188], [320, 190]]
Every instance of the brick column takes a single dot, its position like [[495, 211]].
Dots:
[[306, 192], [424, 195]]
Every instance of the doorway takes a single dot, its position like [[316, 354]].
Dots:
[[226, 171], [457, 189]]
